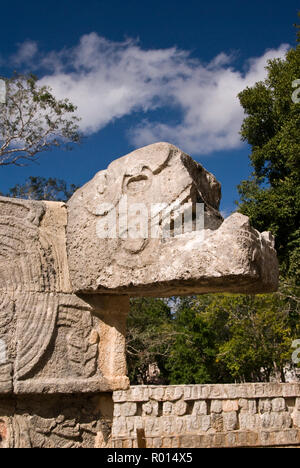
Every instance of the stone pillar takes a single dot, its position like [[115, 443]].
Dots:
[[112, 312]]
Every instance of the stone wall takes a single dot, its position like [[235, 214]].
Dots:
[[55, 421], [187, 416], [237, 415]]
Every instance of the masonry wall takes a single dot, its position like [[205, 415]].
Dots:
[[240, 415]]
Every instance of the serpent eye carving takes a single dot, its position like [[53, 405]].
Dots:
[[137, 181]]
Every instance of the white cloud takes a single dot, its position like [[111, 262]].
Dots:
[[212, 115], [25, 53], [108, 80]]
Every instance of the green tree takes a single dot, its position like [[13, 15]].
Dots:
[[234, 338], [40, 188], [193, 353], [32, 121], [271, 198], [255, 335], [150, 335], [213, 338]]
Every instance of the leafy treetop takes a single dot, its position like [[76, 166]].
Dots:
[[32, 120], [271, 197]]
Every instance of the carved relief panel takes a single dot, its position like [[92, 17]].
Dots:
[[49, 337]]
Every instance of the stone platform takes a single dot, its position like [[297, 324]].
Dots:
[[207, 416]]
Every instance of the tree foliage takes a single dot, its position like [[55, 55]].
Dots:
[[150, 336], [192, 357], [32, 121], [214, 338], [40, 188], [271, 198], [259, 335]]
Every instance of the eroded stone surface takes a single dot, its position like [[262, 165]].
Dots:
[[52, 421], [242, 415], [225, 256], [51, 336]]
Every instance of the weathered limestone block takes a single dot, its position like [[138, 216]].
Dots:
[[152, 427], [179, 408], [230, 421], [174, 393], [134, 424], [249, 422], [200, 407], [157, 393], [296, 418], [224, 256], [150, 408], [54, 421], [216, 406], [199, 423], [168, 425], [125, 409], [252, 406], [167, 408], [230, 405], [55, 341], [217, 422], [278, 404], [243, 405], [277, 421]]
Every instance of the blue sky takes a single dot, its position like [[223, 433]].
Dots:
[[146, 71]]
